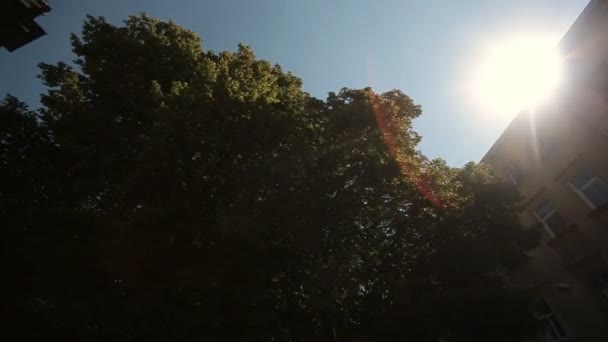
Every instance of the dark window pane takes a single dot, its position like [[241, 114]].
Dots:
[[544, 209], [549, 328], [514, 174], [556, 223], [559, 328], [596, 193], [581, 179]]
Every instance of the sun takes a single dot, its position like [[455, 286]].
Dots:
[[518, 73]]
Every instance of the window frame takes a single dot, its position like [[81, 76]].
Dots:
[[512, 178], [582, 195], [514, 174], [548, 321], [548, 215]]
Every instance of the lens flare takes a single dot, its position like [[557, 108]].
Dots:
[[408, 169]]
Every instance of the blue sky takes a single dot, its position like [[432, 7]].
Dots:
[[427, 48]]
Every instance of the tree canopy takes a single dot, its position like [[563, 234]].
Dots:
[[167, 192]]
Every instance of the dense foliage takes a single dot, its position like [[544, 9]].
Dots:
[[165, 192]]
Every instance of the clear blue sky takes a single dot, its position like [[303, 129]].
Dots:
[[427, 48]]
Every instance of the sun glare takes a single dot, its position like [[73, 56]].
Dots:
[[517, 74]]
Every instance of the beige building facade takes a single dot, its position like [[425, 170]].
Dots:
[[557, 156]]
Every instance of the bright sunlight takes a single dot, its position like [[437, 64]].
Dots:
[[517, 74]]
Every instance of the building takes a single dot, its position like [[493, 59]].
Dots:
[[17, 22], [557, 156]]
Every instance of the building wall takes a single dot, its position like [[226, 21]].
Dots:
[[541, 151]]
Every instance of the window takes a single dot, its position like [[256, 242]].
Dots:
[[591, 189], [550, 218], [514, 174], [553, 326]]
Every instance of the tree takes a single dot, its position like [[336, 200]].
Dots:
[[167, 192]]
